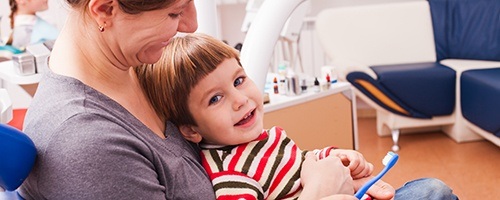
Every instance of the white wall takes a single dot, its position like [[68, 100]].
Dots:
[[311, 54], [231, 14], [231, 18]]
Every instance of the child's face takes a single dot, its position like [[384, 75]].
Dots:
[[37, 5], [227, 106]]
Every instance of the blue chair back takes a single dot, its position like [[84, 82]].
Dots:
[[17, 156], [466, 29]]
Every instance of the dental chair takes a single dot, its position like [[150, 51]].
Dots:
[[405, 59], [17, 152], [387, 52], [17, 156]]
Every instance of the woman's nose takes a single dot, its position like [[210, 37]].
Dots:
[[188, 22]]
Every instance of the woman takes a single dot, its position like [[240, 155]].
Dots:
[[97, 135], [26, 27]]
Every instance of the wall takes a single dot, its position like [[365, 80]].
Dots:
[[308, 53], [231, 15]]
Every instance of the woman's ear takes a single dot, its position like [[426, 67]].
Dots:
[[190, 133], [102, 11]]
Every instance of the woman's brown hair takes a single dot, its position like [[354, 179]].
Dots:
[[129, 6]]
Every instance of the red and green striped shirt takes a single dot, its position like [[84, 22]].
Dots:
[[266, 168]]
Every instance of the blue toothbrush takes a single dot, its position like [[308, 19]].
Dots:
[[389, 160]]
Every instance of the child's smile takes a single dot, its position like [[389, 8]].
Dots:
[[247, 120], [227, 106]]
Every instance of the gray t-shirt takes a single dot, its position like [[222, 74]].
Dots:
[[90, 147]]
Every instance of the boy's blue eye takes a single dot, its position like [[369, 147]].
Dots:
[[214, 99], [238, 81]]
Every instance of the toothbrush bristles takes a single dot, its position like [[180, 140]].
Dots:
[[387, 157]]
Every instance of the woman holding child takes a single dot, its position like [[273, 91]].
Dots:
[[97, 134]]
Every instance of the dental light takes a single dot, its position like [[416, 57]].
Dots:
[[263, 35]]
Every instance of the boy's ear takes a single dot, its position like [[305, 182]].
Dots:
[[190, 133], [102, 11]]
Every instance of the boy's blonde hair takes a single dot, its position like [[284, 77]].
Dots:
[[185, 61]]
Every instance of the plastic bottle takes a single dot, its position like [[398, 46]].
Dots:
[[316, 87], [275, 85], [303, 86], [327, 83], [282, 68], [293, 85], [333, 77]]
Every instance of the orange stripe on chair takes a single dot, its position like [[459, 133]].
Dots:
[[381, 96], [18, 118]]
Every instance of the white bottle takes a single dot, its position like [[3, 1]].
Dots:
[[282, 68], [293, 84]]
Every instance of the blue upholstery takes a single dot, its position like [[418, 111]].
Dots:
[[17, 156], [466, 29], [463, 29], [428, 88], [424, 90], [480, 97], [354, 76]]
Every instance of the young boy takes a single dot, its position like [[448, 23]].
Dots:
[[200, 85]]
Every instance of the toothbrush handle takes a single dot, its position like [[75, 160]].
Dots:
[[368, 184]]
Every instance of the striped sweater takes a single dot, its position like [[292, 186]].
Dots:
[[266, 168]]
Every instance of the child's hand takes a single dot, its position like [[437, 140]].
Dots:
[[355, 162], [380, 190]]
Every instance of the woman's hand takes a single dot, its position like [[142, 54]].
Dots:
[[355, 162], [380, 190], [325, 177]]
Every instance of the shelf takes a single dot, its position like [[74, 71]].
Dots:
[[278, 101], [8, 73]]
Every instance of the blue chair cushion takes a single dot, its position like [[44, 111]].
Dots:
[[480, 97], [424, 90], [356, 78], [17, 156]]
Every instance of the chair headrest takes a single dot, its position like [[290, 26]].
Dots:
[[17, 153]]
